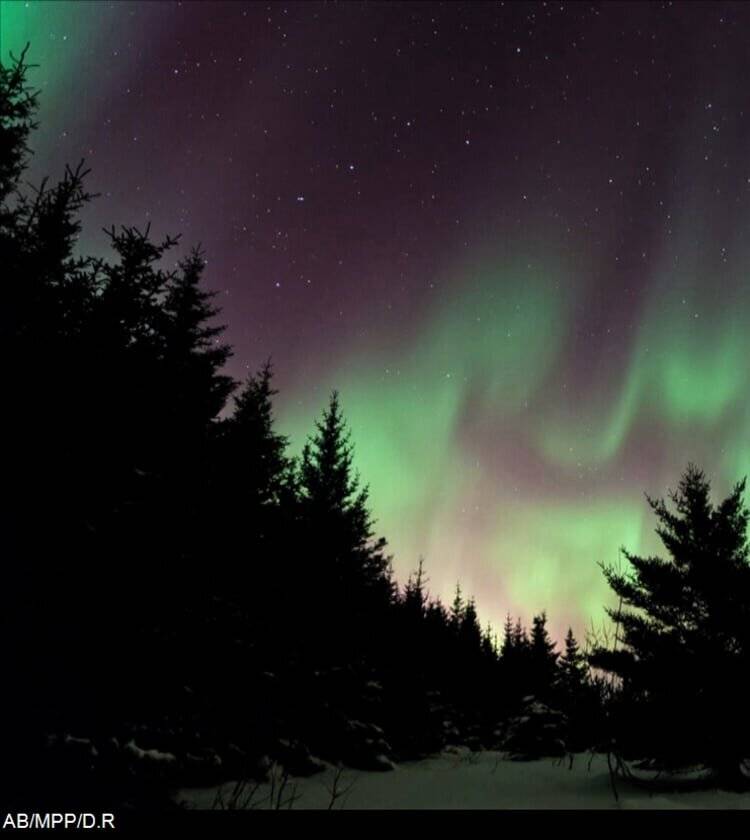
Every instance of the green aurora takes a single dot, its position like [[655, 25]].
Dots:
[[487, 448]]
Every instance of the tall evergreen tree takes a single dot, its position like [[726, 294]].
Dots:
[[350, 562], [19, 104], [195, 357], [255, 498], [46, 519], [255, 460], [129, 328], [684, 628]]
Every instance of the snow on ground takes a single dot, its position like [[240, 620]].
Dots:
[[462, 779]]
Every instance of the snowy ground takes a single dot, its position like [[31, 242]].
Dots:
[[463, 780]]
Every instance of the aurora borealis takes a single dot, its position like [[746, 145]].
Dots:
[[513, 236]]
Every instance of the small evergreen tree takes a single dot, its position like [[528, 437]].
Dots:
[[572, 667], [415, 597], [506, 651], [578, 697], [470, 632], [489, 644], [520, 639], [458, 610], [542, 659]]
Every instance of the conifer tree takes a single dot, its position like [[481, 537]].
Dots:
[[255, 461], [543, 658], [415, 597], [684, 632], [578, 697], [130, 330], [506, 650], [19, 104], [520, 638], [572, 667], [253, 505], [47, 294], [437, 615], [489, 650], [350, 563], [458, 610], [542, 647], [194, 354], [470, 631]]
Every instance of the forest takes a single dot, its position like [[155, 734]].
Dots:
[[185, 603]]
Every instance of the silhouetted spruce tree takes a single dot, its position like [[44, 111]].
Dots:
[[489, 645], [163, 360], [458, 609], [514, 664], [194, 354], [572, 666], [533, 728], [437, 635], [259, 458], [47, 290], [469, 631], [468, 650], [195, 391], [520, 638], [254, 510], [542, 659], [19, 105], [254, 596], [129, 327], [253, 465], [143, 467], [407, 671], [684, 632], [508, 639], [350, 569], [152, 389], [415, 597], [578, 698]]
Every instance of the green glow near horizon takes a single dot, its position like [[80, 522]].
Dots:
[[552, 551], [487, 353], [489, 359]]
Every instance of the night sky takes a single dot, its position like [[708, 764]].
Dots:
[[514, 236]]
